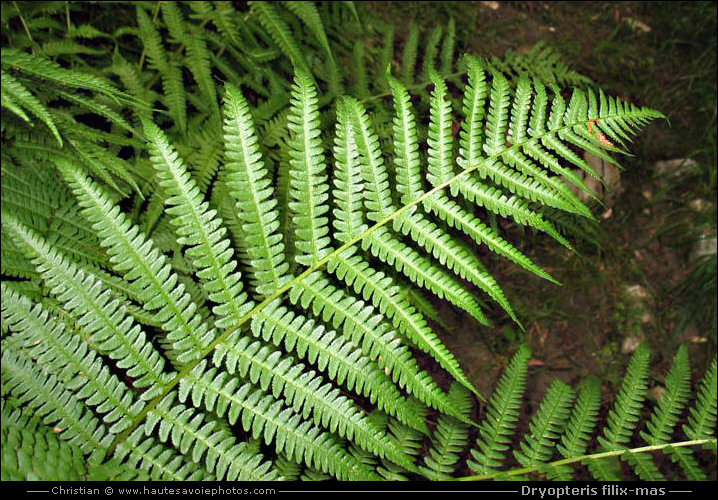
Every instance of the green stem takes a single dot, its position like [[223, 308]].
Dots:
[[594, 456]]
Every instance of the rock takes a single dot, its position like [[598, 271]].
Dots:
[[706, 245], [607, 188], [630, 344], [673, 168]]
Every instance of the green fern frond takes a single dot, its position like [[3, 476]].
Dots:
[[308, 186], [701, 422], [249, 183], [164, 308], [56, 405], [47, 341], [170, 72], [449, 440], [16, 97], [502, 414], [546, 425], [279, 32], [625, 414], [214, 445], [269, 419], [304, 391], [32, 452], [144, 267], [580, 426], [98, 311], [409, 55], [200, 230]]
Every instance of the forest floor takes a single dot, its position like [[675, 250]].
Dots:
[[633, 283]]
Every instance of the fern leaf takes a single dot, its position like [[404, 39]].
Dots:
[[32, 452], [431, 50], [379, 206], [449, 440], [57, 406], [501, 416], [546, 425], [308, 186], [249, 183], [701, 422], [99, 311], [198, 60], [343, 362], [46, 341], [199, 229], [447, 48], [280, 33], [270, 420], [162, 462], [309, 15], [408, 57], [207, 442], [580, 426], [143, 266], [174, 93], [304, 391], [22, 98], [48, 70], [678, 384], [361, 324], [625, 413]]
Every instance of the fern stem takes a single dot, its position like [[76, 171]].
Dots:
[[319, 264], [144, 52], [595, 456], [24, 25]]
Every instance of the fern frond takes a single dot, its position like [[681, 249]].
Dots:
[[580, 426], [161, 462], [47, 341], [280, 33], [309, 15], [249, 183], [308, 186], [143, 267], [48, 70], [32, 452], [199, 229], [269, 419], [701, 422], [342, 361], [16, 97], [673, 400], [304, 391], [174, 92], [207, 442], [546, 425], [361, 324], [57, 406], [408, 57], [98, 311], [447, 48], [625, 414], [449, 439], [501, 416]]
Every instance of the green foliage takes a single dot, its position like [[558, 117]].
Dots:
[[214, 262]]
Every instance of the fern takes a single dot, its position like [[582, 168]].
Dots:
[[241, 289]]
